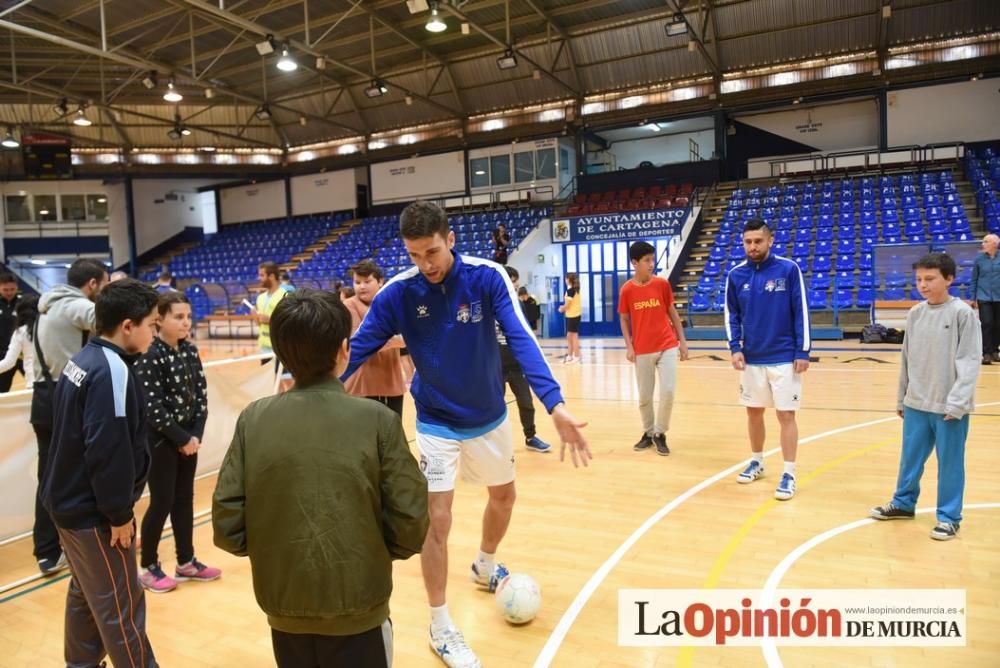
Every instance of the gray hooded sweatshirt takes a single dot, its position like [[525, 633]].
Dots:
[[66, 322]]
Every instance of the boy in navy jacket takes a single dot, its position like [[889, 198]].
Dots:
[[767, 324], [445, 307], [96, 472]]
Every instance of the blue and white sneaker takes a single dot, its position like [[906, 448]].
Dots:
[[488, 581], [536, 444], [786, 488], [450, 646], [753, 471]]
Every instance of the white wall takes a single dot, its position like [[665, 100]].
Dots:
[[965, 111], [830, 127], [259, 201], [320, 193], [662, 150], [401, 180], [158, 218]]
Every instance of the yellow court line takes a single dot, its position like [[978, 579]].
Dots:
[[686, 655]]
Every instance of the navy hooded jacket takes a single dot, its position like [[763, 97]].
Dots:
[[99, 460]]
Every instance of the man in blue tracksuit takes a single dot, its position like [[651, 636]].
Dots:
[[767, 324], [985, 293], [445, 307], [97, 468]]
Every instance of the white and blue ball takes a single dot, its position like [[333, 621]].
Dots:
[[518, 597]]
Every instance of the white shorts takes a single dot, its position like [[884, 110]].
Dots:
[[485, 460], [766, 386]]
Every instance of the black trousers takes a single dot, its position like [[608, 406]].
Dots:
[[514, 377], [7, 377], [43, 534], [989, 319], [105, 604], [395, 403], [371, 649], [171, 492]]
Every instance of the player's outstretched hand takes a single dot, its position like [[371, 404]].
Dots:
[[571, 436]]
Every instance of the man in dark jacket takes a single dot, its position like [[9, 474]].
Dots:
[[985, 293], [8, 303], [320, 490], [97, 469]]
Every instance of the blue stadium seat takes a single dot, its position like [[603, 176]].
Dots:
[[819, 281], [700, 302], [893, 294], [821, 263], [844, 299], [845, 280], [817, 299], [895, 279], [864, 298]]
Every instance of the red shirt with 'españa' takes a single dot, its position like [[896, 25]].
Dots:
[[648, 306]]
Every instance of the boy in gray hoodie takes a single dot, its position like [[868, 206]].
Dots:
[[65, 322], [937, 388]]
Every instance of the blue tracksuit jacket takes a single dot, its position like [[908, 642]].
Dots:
[[766, 314], [450, 334]]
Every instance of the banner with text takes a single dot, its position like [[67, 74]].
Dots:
[[813, 617], [619, 225]]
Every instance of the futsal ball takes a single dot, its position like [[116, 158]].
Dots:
[[518, 597]]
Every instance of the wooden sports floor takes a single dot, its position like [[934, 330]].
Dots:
[[634, 520]]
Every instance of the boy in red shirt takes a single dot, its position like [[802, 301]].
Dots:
[[654, 339]]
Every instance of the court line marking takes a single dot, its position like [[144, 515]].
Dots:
[[562, 628], [686, 655], [768, 647]]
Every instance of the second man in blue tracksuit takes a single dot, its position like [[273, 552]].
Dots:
[[767, 324], [445, 307]]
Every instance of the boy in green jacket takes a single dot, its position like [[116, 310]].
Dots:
[[320, 490]]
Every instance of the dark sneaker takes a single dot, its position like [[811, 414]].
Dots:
[[944, 531], [52, 566], [890, 511], [645, 443], [660, 440], [536, 444]]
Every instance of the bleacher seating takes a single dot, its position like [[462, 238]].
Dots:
[[983, 170], [830, 228], [641, 197]]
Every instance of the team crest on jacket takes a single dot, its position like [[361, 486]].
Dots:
[[463, 315], [477, 311], [775, 285]]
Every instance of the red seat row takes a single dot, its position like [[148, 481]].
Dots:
[[654, 192], [631, 204]]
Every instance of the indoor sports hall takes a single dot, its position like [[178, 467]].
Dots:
[[191, 143]]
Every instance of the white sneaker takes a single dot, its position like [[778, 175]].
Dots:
[[450, 646], [753, 471], [487, 580]]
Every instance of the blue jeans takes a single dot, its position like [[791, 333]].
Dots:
[[922, 433]]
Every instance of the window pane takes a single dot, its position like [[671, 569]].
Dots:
[[72, 207], [595, 257], [623, 263], [584, 259], [524, 167], [564, 161], [570, 259], [45, 207], [97, 207], [500, 168], [598, 293], [609, 303], [479, 172], [546, 163], [18, 209], [585, 295], [609, 255]]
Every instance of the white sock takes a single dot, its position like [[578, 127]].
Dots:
[[758, 457], [440, 619], [486, 560], [790, 468]]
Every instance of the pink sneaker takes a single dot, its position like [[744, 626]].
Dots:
[[153, 579], [195, 570]]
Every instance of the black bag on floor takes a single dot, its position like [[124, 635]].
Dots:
[[874, 333]]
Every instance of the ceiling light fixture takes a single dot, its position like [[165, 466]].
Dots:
[[376, 89], [149, 81], [435, 23], [286, 63], [677, 26], [172, 95], [9, 141], [81, 118], [263, 113], [60, 107], [507, 61], [209, 93]]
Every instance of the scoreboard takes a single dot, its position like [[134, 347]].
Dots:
[[46, 157]]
